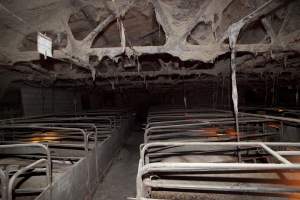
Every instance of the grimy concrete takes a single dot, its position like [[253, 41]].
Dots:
[[119, 183]]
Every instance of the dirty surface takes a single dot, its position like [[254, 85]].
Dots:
[[119, 183], [86, 35]]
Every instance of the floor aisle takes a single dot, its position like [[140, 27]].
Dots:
[[119, 183]]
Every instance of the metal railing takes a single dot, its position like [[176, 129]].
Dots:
[[180, 154], [8, 184], [147, 169]]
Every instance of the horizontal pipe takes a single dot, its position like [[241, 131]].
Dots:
[[285, 119], [29, 190], [289, 153], [206, 167], [222, 188]]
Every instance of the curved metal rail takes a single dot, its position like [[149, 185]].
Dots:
[[10, 187]]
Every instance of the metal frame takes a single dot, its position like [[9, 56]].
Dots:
[[82, 131], [201, 119], [107, 127], [12, 181], [154, 173], [7, 185], [159, 117], [113, 116], [210, 168], [185, 128], [112, 122]]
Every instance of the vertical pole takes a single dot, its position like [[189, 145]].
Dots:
[[266, 92], [297, 96], [43, 99], [223, 83], [228, 93], [277, 91], [281, 130], [217, 94], [273, 92], [263, 129]]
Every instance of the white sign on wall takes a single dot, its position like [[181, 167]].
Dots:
[[44, 45]]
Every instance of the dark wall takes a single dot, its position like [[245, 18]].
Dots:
[[24, 100], [11, 104], [40, 100], [37, 101]]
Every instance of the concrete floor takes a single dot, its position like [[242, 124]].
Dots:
[[119, 183]]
